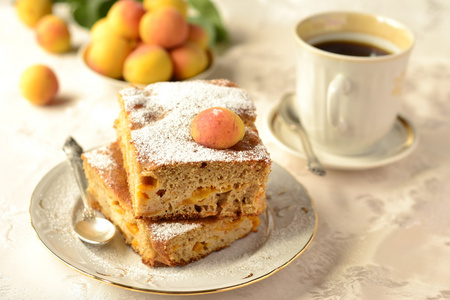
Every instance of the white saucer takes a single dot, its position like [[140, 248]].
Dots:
[[399, 142]]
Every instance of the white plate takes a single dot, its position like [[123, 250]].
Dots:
[[120, 83], [399, 142], [286, 230]]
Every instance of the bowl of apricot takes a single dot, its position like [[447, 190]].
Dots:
[[145, 46]]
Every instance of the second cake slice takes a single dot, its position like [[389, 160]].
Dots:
[[159, 243]]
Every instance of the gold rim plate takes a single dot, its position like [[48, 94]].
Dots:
[[286, 230]]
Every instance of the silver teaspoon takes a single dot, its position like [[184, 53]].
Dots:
[[291, 119], [91, 229]]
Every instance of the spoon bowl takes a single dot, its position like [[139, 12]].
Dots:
[[95, 230], [91, 229], [291, 119]]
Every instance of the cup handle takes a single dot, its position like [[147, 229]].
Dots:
[[339, 86]]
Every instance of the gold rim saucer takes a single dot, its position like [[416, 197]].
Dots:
[[399, 143]]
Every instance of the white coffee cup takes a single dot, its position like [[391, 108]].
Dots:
[[347, 103]]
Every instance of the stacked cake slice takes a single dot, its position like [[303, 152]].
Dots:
[[174, 200], [159, 243]]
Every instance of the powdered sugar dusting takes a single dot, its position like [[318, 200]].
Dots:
[[161, 115], [102, 159], [164, 231]]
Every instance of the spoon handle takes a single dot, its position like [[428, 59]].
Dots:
[[314, 164], [73, 151]]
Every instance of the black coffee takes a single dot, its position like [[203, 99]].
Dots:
[[351, 48]]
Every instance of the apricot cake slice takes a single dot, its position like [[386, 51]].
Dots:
[[173, 177], [159, 243]]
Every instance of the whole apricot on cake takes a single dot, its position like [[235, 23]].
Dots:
[[31, 11], [179, 5], [107, 55], [188, 61], [53, 35], [217, 128], [198, 35], [38, 84], [147, 64], [165, 27], [124, 17]]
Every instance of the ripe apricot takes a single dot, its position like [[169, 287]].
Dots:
[[107, 55], [217, 128], [124, 17], [179, 5], [188, 61], [100, 29], [31, 11], [147, 64], [53, 35], [38, 84], [165, 27], [198, 35]]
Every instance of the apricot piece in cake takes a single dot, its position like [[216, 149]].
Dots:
[[38, 84], [218, 128]]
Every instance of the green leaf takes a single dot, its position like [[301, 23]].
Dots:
[[209, 14], [87, 12]]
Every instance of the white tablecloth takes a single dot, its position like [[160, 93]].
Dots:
[[383, 233]]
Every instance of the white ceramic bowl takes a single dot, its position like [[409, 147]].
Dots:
[[120, 83]]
